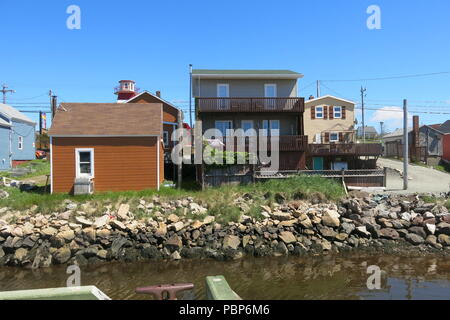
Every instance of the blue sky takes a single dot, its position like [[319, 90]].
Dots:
[[153, 42]]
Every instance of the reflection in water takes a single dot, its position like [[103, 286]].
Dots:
[[321, 277]]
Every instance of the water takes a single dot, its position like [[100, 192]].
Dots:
[[320, 277]]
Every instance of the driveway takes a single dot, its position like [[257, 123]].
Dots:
[[421, 179]]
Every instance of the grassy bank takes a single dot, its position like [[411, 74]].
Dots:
[[220, 201], [38, 168]]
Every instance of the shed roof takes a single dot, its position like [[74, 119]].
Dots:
[[445, 127], [14, 114], [107, 119]]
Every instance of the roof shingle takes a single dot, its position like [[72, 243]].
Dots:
[[107, 119]]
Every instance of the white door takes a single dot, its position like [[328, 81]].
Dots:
[[270, 91], [223, 91]]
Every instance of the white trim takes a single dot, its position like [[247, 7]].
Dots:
[[77, 163], [51, 165], [227, 85], [337, 134], [19, 142], [323, 112], [153, 95], [270, 85], [330, 97], [334, 112], [101, 136], [158, 146], [247, 76]]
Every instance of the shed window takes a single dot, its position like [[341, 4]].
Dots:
[[85, 163], [20, 145]]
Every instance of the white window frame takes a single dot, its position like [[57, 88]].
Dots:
[[20, 143], [166, 138], [317, 112], [223, 85], [78, 174], [270, 85], [337, 109], [224, 134], [337, 136]]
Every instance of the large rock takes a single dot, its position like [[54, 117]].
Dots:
[[414, 239], [67, 235], [49, 231], [62, 255], [232, 242], [20, 254], [362, 232], [444, 239], [101, 221], [347, 227], [444, 228], [328, 233], [174, 243], [173, 218], [83, 221], [122, 213], [118, 225], [419, 231], [330, 218], [389, 233], [287, 237], [281, 216]]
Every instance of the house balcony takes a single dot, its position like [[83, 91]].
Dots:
[[345, 149], [294, 105], [286, 143]]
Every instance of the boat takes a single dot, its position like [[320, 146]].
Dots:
[[217, 288]]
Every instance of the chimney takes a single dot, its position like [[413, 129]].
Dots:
[[311, 97], [158, 94]]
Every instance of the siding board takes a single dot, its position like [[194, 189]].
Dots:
[[120, 163]]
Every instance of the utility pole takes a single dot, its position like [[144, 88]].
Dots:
[[180, 141], [54, 104], [318, 88], [190, 95], [5, 90], [381, 128], [363, 91], [405, 145]]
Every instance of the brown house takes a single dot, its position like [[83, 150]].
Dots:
[[109, 144]]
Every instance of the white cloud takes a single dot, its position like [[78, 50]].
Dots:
[[391, 116]]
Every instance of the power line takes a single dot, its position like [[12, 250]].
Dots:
[[392, 77]]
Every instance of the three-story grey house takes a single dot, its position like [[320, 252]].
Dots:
[[263, 100]]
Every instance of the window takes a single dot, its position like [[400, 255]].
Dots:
[[223, 91], [20, 146], [271, 127], [319, 112], [246, 126], [166, 138], [337, 112], [334, 137], [84, 163], [270, 91], [224, 126]]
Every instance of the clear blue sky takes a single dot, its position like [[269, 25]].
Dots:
[[153, 42]]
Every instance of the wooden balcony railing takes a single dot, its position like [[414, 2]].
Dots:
[[285, 143], [342, 149], [250, 104]]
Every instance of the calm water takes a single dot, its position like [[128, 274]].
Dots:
[[325, 277]]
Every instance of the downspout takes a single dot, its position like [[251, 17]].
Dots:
[[158, 146]]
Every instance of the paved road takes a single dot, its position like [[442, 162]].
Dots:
[[421, 179]]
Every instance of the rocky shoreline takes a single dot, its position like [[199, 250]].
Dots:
[[359, 222]]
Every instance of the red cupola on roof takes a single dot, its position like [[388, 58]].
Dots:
[[126, 90]]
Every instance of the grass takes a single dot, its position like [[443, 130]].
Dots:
[[220, 201], [39, 168]]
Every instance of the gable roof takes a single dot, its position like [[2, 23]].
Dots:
[[245, 74], [395, 133], [312, 101], [14, 114], [107, 119], [445, 127], [154, 96], [4, 123]]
